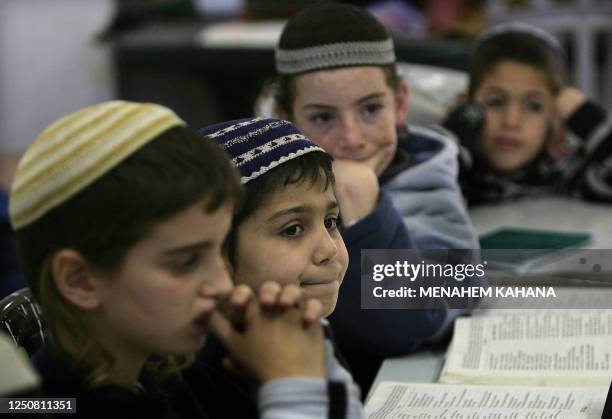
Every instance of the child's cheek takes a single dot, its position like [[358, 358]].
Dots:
[[488, 133], [310, 293], [327, 296]]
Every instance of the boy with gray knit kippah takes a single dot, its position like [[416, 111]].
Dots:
[[396, 185]]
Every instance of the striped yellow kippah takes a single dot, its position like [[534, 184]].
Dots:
[[78, 149]]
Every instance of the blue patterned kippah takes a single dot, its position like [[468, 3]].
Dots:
[[258, 145]]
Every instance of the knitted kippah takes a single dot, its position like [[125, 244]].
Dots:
[[78, 149], [332, 35], [258, 145], [522, 29]]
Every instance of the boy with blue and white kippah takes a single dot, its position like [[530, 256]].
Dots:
[[287, 229]]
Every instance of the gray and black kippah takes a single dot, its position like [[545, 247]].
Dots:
[[332, 35], [510, 29]]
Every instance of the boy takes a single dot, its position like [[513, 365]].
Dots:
[[397, 186], [286, 231], [290, 211]]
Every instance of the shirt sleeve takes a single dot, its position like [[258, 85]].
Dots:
[[357, 328], [593, 126], [307, 398], [338, 397], [381, 229]]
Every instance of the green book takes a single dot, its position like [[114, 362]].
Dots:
[[519, 249]]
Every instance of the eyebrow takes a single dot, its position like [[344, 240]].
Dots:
[[498, 89], [375, 95], [535, 93], [187, 248], [301, 209]]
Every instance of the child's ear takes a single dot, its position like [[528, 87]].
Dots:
[[74, 280], [401, 103]]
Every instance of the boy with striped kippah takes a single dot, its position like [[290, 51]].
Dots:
[[121, 212]]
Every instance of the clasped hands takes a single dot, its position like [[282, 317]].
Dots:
[[273, 333]]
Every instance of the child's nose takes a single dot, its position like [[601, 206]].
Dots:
[[512, 116], [218, 284], [325, 250], [351, 137]]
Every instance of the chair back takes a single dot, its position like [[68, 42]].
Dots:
[[21, 318]]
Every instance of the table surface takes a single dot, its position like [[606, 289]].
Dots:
[[556, 213], [420, 367]]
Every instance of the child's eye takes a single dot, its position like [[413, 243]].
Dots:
[[186, 264], [320, 118], [371, 109], [533, 106], [293, 230], [331, 223], [494, 102]]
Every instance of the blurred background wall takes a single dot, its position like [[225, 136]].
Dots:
[[52, 61], [50, 64]]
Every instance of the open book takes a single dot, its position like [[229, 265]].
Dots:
[[438, 401], [532, 347]]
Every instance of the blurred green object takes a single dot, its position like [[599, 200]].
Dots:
[[519, 238], [522, 250]]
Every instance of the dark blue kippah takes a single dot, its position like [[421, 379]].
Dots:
[[258, 145]]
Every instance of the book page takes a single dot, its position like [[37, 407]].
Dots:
[[437, 401], [547, 348]]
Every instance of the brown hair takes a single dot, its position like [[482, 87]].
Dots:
[[522, 47]]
